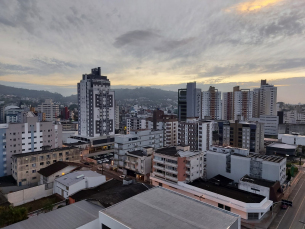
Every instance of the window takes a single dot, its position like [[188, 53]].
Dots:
[[160, 184], [227, 208], [34, 165], [105, 227], [220, 206], [253, 215], [41, 163], [33, 178], [34, 171]]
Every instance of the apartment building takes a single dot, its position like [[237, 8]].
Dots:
[[243, 104], [135, 123], [205, 130], [2, 117], [271, 124], [188, 133], [189, 102], [235, 163], [27, 137], [227, 106], [69, 126], [175, 164], [211, 104], [138, 163], [294, 116], [96, 105], [134, 141], [50, 109], [11, 114], [292, 139], [117, 117], [26, 165], [246, 135]]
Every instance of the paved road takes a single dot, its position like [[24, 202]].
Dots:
[[289, 219]]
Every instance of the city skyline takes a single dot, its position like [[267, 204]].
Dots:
[[49, 45]]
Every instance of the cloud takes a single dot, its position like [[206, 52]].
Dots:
[[254, 5], [136, 37]]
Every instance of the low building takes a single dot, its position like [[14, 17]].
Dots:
[[248, 205], [68, 217], [272, 190], [293, 139], [76, 181], [235, 163], [161, 208], [109, 193], [138, 163], [134, 141], [26, 165], [59, 168], [281, 149], [177, 164]]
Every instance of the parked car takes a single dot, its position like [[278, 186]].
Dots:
[[284, 206], [99, 162]]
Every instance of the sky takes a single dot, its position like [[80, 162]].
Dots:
[[48, 45]]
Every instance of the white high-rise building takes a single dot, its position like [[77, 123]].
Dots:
[[50, 109], [96, 105], [243, 102], [211, 104]]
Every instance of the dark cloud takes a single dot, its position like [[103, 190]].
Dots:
[[135, 37], [168, 45], [15, 69], [52, 65]]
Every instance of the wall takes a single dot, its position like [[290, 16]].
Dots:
[[28, 195], [264, 191], [110, 222]]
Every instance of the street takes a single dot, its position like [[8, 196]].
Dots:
[[289, 219]]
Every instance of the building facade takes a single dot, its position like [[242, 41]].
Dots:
[[188, 134], [31, 136], [211, 104], [271, 124], [95, 105], [26, 165], [50, 109], [243, 102], [227, 106]]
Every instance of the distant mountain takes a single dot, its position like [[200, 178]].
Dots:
[[137, 94]]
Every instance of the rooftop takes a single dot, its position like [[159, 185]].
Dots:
[[260, 182], [57, 166], [43, 151], [270, 158], [138, 153], [173, 152], [68, 217], [282, 146], [74, 177], [111, 192], [158, 208], [234, 193]]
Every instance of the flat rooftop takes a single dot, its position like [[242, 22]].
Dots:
[[138, 153], [282, 146], [173, 152], [57, 166], [234, 193], [257, 181], [163, 208], [74, 177], [69, 217], [271, 158], [43, 151]]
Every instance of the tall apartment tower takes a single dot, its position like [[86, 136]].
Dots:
[[189, 102], [243, 104], [227, 106], [211, 104], [96, 105], [50, 109]]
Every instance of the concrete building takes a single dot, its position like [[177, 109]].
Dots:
[[74, 182], [11, 113], [270, 189], [69, 126], [243, 102], [50, 109], [289, 128], [227, 106], [245, 135], [188, 133], [25, 165], [211, 104], [294, 116], [235, 163], [134, 141], [2, 117], [135, 123], [271, 124], [268, 99], [117, 117], [96, 105], [155, 209], [281, 149], [138, 163], [205, 130], [189, 102], [293, 139], [26, 137], [177, 164]]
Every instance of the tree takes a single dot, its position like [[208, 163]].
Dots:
[[10, 215]]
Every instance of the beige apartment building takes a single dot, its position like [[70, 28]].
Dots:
[[26, 165]]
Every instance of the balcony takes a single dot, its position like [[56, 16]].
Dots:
[[158, 174], [158, 161], [188, 165], [171, 178], [171, 171], [187, 172], [171, 164], [158, 167]]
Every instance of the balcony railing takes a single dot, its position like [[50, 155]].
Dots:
[[159, 174], [171, 178], [171, 171], [158, 161], [158, 167]]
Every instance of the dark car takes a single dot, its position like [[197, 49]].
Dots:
[[86, 163], [284, 206]]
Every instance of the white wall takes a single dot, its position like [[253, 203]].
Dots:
[[110, 222], [264, 191], [28, 195]]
